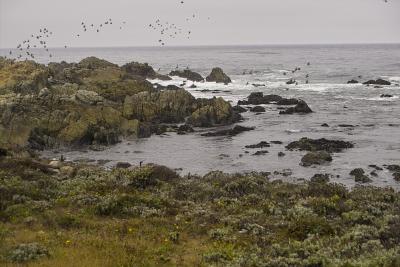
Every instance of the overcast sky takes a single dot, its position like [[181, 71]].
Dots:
[[231, 21]]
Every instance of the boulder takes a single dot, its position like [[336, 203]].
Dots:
[[187, 74], [230, 132], [320, 178], [316, 158], [301, 108], [319, 145], [212, 113], [217, 75]]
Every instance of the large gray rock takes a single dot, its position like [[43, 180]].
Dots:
[[88, 97]]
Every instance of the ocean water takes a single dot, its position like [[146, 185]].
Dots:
[[376, 120]]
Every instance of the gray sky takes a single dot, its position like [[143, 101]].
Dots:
[[231, 21]]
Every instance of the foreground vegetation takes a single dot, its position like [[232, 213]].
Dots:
[[68, 215]]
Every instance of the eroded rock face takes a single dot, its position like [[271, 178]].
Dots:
[[187, 74], [93, 102], [217, 75]]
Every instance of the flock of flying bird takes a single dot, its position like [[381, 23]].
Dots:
[[39, 40], [166, 30]]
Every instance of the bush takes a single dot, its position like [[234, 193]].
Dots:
[[28, 252]]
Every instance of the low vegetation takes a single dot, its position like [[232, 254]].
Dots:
[[85, 216]]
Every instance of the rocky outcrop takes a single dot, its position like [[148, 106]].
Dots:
[[187, 74], [378, 82], [93, 102], [301, 108], [217, 75], [386, 96], [319, 145]]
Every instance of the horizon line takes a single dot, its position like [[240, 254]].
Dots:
[[216, 45]]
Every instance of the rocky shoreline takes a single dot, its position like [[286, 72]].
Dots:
[[95, 103], [53, 211]]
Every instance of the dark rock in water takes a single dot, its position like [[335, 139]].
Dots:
[[320, 178], [281, 154], [123, 165], [396, 176], [258, 98], [193, 86], [239, 109], [230, 132], [262, 144], [375, 167], [319, 144], [187, 74], [291, 81], [359, 176], [217, 75], [257, 109], [288, 101], [301, 108], [260, 153], [386, 95], [393, 168], [373, 173], [143, 70], [352, 81], [378, 82], [316, 158], [324, 125]]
